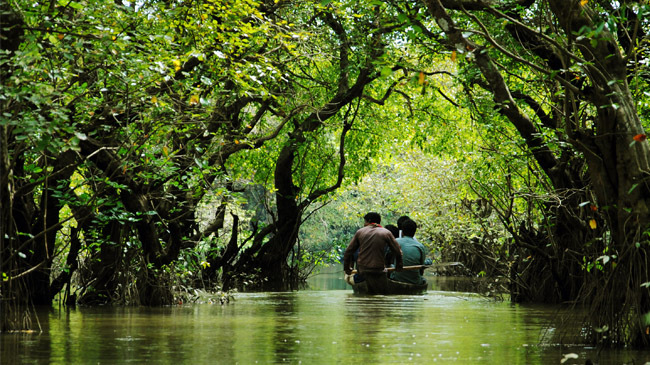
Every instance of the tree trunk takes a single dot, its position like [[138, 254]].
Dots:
[[106, 267], [617, 164]]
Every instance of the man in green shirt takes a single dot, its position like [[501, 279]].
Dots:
[[413, 253]]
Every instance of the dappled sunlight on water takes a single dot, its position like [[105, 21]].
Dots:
[[310, 327]]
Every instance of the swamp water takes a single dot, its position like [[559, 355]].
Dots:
[[326, 324]]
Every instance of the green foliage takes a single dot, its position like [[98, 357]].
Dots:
[[157, 131]]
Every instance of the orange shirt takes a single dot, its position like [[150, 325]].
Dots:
[[371, 241]]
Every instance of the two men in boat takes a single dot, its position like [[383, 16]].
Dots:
[[371, 241]]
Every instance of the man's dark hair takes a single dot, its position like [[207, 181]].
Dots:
[[393, 229], [372, 217], [401, 221], [409, 227]]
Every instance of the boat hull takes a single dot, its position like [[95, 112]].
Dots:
[[394, 288]]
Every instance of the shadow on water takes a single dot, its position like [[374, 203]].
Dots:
[[327, 324]]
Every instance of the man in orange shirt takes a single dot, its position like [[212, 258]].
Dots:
[[371, 241]]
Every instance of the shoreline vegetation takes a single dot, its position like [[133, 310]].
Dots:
[[152, 147]]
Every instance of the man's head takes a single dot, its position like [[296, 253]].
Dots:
[[393, 229], [409, 227], [401, 220], [372, 217]]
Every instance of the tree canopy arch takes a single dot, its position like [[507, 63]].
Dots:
[[121, 118]]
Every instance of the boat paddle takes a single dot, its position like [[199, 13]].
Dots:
[[405, 268]]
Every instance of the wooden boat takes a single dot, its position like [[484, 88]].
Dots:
[[394, 288]]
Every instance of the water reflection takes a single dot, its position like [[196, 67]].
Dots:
[[309, 327]]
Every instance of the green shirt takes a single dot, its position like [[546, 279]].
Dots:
[[413, 253]]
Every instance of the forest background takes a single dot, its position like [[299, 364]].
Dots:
[[149, 148]]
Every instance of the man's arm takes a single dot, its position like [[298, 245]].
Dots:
[[349, 254], [397, 251], [423, 257]]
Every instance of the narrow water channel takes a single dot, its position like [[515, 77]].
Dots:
[[326, 324]]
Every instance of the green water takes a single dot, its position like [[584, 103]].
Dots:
[[317, 326]]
